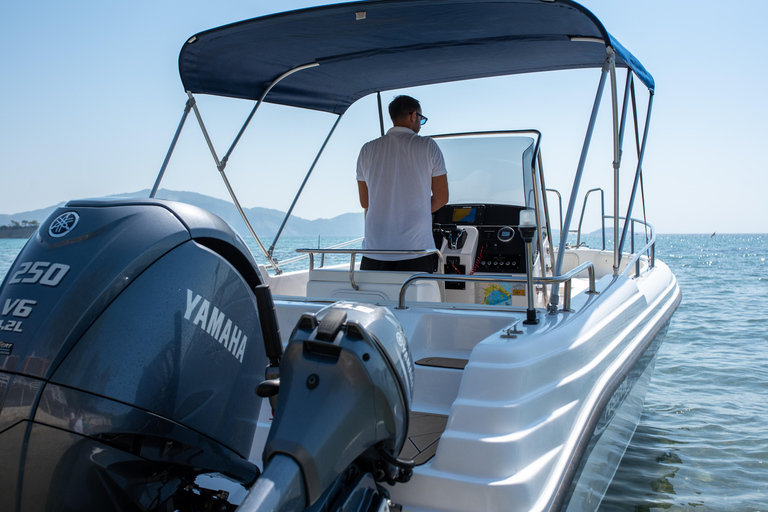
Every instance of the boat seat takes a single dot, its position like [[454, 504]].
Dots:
[[373, 285]]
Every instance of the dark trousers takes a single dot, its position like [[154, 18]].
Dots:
[[423, 264]]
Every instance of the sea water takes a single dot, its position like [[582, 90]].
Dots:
[[702, 441]]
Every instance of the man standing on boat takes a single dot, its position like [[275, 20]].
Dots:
[[401, 178]]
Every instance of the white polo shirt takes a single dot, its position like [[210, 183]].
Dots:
[[398, 169]]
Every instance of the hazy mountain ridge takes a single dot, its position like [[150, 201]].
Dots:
[[265, 221]]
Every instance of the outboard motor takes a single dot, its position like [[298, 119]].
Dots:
[[133, 338], [346, 384], [130, 348]]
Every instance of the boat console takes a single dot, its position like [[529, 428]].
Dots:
[[480, 239], [498, 247]]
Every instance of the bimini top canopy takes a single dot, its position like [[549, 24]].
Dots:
[[363, 47]]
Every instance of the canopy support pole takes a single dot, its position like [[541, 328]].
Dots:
[[638, 171], [544, 239], [381, 114], [301, 188], [617, 133], [160, 175], [220, 167], [624, 110], [637, 148], [256, 107], [221, 164], [555, 297], [628, 87], [539, 202]]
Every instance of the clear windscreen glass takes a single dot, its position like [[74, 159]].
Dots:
[[487, 169]]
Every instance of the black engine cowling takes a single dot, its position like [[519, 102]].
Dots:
[[130, 348]]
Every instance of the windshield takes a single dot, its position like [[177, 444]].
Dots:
[[488, 168]]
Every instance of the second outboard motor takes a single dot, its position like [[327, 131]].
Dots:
[[346, 384], [130, 349]]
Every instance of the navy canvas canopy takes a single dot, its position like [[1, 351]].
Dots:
[[380, 45]]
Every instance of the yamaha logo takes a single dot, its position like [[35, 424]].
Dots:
[[63, 224]]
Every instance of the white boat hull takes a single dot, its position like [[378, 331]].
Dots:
[[537, 420]]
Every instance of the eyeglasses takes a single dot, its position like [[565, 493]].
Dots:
[[422, 119]]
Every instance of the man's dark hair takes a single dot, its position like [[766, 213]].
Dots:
[[402, 106]]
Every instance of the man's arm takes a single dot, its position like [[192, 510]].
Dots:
[[439, 192], [362, 189]]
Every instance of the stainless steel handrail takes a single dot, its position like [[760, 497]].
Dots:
[[354, 252], [602, 215], [307, 256], [649, 247], [560, 203], [503, 278]]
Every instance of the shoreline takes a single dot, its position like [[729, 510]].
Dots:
[[9, 232]]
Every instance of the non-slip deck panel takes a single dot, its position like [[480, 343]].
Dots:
[[443, 362], [423, 436]]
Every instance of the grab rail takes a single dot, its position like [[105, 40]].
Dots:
[[322, 261], [354, 252], [602, 215], [503, 278], [649, 247]]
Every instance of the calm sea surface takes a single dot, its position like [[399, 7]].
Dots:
[[702, 442]]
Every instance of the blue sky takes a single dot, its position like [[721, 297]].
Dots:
[[90, 97]]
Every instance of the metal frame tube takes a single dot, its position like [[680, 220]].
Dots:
[[503, 278], [616, 160], [650, 247], [560, 205], [355, 252], [381, 113], [187, 108], [258, 104], [577, 180], [638, 171], [537, 183], [544, 243], [624, 110], [602, 215], [229, 187], [301, 188], [617, 166], [637, 148], [205, 131], [221, 164], [530, 318]]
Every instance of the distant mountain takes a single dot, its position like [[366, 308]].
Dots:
[[265, 221], [38, 215]]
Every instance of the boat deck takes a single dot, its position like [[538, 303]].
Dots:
[[424, 435]]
